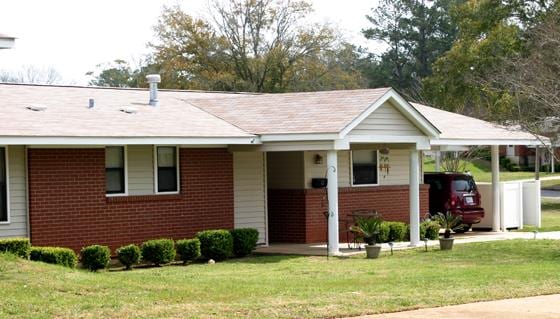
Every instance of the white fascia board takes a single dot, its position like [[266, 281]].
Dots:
[[387, 139], [298, 137], [44, 140], [402, 105], [485, 142], [7, 43]]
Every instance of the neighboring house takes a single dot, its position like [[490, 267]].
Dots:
[[84, 165], [524, 155]]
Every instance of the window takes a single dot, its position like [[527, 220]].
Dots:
[[463, 184], [166, 158], [115, 170], [3, 187], [364, 167]]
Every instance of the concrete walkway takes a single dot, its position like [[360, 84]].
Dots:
[[540, 307], [320, 249]]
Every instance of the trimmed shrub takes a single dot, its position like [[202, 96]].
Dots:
[[383, 235], [397, 231], [188, 249], [431, 230], [244, 241], [129, 255], [422, 231], [95, 257], [18, 246], [216, 244], [159, 251], [55, 255]]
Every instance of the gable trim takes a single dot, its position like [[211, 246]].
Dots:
[[407, 110]]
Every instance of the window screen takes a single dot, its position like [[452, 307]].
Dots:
[[167, 169], [114, 170], [364, 167]]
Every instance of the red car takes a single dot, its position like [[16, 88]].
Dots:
[[457, 193]]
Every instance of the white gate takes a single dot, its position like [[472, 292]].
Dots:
[[520, 203]]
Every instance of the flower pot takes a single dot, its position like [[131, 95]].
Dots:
[[446, 243], [372, 251]]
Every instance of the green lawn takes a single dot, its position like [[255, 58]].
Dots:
[[482, 172], [285, 286], [550, 216]]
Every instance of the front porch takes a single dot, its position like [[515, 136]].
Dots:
[[320, 249]]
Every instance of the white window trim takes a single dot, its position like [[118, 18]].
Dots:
[[352, 171], [156, 170], [7, 161], [125, 159]]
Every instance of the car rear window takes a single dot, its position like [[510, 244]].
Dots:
[[463, 184], [435, 183]]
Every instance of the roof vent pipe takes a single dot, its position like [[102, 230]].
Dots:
[[153, 80]]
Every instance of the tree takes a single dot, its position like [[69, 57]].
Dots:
[[31, 74], [252, 45], [119, 73], [416, 32], [530, 81], [490, 33]]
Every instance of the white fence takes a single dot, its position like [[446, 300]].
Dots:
[[520, 204]]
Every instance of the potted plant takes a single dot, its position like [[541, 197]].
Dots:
[[367, 228], [449, 222]]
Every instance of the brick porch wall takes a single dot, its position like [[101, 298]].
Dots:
[[68, 206], [307, 223]]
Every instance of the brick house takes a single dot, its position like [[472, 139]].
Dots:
[[84, 165]]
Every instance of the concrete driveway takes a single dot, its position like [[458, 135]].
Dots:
[[540, 307]]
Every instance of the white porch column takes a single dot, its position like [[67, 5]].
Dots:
[[552, 160], [414, 198], [496, 187], [537, 163], [332, 191], [438, 161]]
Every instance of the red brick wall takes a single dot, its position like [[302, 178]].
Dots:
[[68, 206], [390, 201]]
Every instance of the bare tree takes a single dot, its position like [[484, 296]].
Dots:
[[32, 75], [530, 82]]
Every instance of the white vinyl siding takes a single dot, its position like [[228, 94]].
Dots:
[[17, 209], [140, 170], [398, 173], [386, 120], [313, 170], [285, 170], [249, 189]]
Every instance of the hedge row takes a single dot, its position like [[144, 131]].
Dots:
[[55, 255], [211, 244], [17, 246]]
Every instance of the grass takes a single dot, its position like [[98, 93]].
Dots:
[[550, 221], [551, 184], [285, 286], [482, 172]]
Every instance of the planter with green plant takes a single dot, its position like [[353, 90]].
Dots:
[[449, 223], [367, 228]]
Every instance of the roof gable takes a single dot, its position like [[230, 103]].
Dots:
[[386, 120], [401, 111]]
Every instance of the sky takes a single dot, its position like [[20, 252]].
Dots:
[[74, 37]]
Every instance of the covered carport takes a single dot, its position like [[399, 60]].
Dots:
[[459, 131]]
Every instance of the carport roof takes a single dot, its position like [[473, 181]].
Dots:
[[457, 129]]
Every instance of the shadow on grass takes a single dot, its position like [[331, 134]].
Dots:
[[550, 205], [263, 259]]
